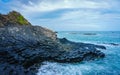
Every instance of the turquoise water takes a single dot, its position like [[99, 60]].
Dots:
[[110, 65]]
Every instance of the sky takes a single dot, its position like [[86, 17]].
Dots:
[[68, 15]]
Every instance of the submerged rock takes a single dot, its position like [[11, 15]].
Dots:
[[114, 44], [89, 34]]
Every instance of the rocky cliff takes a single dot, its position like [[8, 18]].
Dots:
[[24, 47]]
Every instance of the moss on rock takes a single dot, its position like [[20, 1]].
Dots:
[[13, 18]]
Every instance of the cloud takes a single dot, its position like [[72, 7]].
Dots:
[[69, 14], [52, 5]]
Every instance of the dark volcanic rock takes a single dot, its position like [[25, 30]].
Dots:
[[23, 47], [75, 52], [26, 45]]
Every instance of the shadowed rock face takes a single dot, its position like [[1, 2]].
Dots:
[[23, 47]]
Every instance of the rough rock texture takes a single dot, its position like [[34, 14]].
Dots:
[[23, 47], [76, 52], [13, 18]]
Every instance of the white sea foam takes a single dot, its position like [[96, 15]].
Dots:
[[51, 68], [110, 65]]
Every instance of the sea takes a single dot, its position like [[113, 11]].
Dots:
[[110, 65]]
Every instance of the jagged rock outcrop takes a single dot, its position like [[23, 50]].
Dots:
[[29, 45], [13, 18], [24, 47]]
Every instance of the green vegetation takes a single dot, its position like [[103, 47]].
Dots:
[[21, 20], [18, 18], [13, 18]]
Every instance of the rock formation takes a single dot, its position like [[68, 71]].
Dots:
[[13, 18], [24, 47]]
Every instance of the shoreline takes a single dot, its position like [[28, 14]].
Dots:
[[35, 47]]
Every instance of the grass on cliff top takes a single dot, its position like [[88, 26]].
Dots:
[[16, 17], [21, 20]]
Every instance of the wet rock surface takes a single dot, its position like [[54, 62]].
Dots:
[[23, 48], [113, 44]]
